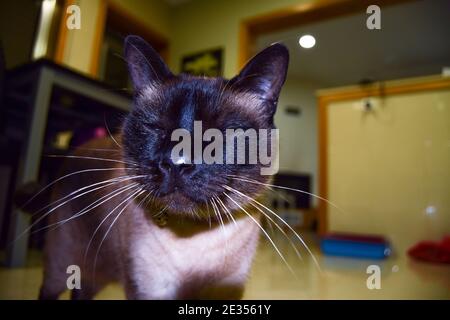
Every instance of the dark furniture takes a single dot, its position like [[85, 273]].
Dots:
[[40, 100]]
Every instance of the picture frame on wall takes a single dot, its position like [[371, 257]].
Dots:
[[206, 63]]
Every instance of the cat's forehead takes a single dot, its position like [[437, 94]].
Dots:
[[191, 89], [199, 91], [212, 100]]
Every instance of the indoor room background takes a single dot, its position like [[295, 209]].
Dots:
[[364, 120]]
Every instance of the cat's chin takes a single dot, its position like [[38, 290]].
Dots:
[[177, 203]]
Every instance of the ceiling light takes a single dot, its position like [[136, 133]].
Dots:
[[307, 41]]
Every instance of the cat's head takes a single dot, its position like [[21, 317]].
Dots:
[[164, 103]]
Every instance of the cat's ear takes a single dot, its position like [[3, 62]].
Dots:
[[145, 65], [265, 73]]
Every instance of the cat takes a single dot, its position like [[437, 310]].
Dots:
[[164, 230]]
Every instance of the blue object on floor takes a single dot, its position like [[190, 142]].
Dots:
[[345, 245]]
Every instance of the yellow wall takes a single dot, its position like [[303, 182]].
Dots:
[[80, 43], [190, 27], [387, 167], [203, 24], [154, 13]]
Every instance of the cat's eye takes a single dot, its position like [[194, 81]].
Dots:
[[153, 126], [240, 124], [237, 127], [154, 129]]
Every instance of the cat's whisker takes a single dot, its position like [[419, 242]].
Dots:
[[76, 195], [110, 134], [134, 196], [227, 211], [277, 193], [268, 185], [91, 206], [128, 196], [96, 149], [194, 213], [198, 214], [271, 221], [92, 158], [208, 213], [270, 224], [214, 201], [145, 199], [264, 232], [286, 224], [150, 198], [54, 208], [66, 176], [219, 216], [161, 212], [215, 212], [116, 179]]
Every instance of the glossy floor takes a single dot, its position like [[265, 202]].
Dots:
[[339, 278]]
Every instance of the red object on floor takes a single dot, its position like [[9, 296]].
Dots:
[[429, 251]]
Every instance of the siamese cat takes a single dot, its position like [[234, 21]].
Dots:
[[126, 212]]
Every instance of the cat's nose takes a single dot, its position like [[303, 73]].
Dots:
[[165, 166], [182, 165], [171, 171], [171, 166]]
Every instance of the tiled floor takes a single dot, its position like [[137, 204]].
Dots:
[[340, 278]]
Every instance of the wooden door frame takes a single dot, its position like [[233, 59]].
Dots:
[[117, 15], [294, 16], [62, 34], [326, 97]]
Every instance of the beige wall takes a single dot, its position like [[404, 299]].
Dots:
[[298, 134], [154, 13], [190, 27], [387, 167], [80, 43], [203, 24]]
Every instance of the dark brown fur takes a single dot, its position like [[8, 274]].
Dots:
[[188, 257]]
